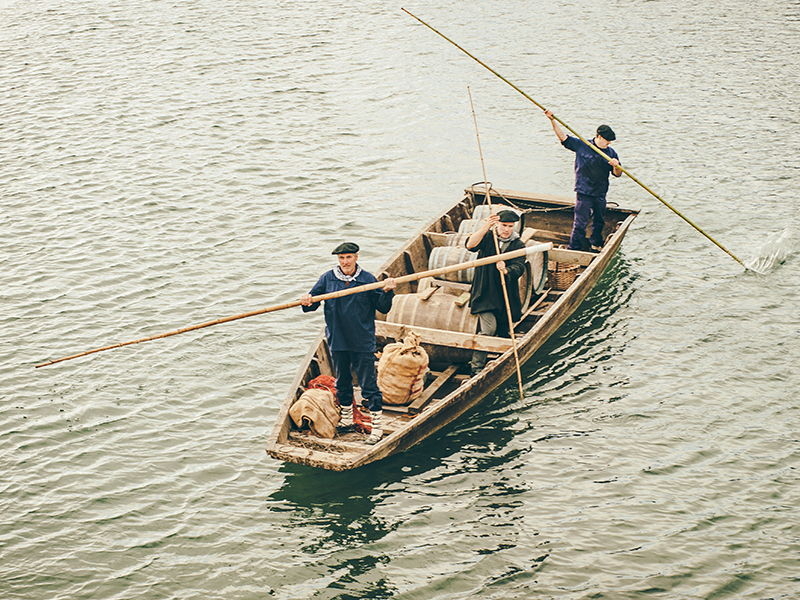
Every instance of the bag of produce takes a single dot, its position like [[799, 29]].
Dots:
[[401, 370]]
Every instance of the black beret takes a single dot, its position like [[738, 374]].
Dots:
[[606, 133], [508, 216], [346, 248]]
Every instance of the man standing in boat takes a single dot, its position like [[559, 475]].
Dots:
[[350, 331], [486, 295], [591, 183]]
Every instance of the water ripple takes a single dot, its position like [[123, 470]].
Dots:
[[163, 164]]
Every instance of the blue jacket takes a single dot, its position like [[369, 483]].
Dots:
[[350, 321], [591, 169]]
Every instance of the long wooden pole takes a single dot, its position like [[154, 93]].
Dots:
[[356, 290], [503, 284], [577, 135]]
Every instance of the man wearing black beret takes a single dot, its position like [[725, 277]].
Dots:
[[486, 294], [350, 332], [591, 183]]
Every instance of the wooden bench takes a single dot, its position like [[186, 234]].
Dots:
[[442, 337]]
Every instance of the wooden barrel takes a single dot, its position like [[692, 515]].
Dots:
[[471, 225], [458, 239], [445, 256], [482, 211], [438, 312]]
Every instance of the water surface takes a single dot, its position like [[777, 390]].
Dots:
[[167, 163]]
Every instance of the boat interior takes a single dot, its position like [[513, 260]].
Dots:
[[437, 309]]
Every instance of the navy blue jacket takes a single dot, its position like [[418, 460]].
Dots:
[[591, 169], [350, 321]]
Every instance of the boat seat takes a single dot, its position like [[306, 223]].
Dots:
[[443, 337]]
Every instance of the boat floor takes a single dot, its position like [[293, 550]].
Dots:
[[449, 391], [353, 443], [396, 417]]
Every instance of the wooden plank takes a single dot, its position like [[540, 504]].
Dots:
[[572, 257], [537, 197], [312, 458], [546, 235], [402, 410], [434, 387], [328, 444], [326, 362], [442, 283], [409, 262], [441, 337], [464, 209], [532, 309], [437, 239], [527, 234], [427, 243], [425, 295]]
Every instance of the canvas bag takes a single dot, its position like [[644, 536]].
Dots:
[[317, 409], [401, 370]]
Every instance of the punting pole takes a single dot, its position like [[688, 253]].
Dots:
[[497, 251], [356, 290], [577, 135]]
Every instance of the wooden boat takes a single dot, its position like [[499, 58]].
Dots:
[[549, 298]]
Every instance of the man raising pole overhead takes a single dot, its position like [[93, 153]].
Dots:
[[591, 183], [486, 298], [350, 331]]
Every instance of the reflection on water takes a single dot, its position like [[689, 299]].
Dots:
[[166, 164]]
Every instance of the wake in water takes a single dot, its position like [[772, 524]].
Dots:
[[773, 252]]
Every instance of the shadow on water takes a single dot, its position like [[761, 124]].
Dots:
[[344, 510], [347, 496], [589, 330]]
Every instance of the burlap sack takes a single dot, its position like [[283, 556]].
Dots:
[[317, 409], [402, 369]]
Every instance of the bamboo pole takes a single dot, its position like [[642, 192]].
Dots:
[[502, 277], [356, 290], [577, 135]]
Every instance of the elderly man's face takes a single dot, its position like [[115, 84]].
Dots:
[[347, 263]]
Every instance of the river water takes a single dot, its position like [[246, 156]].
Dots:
[[166, 163]]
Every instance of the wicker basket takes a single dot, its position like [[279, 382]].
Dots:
[[560, 275]]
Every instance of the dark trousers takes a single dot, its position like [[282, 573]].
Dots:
[[363, 363], [588, 208], [487, 325]]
